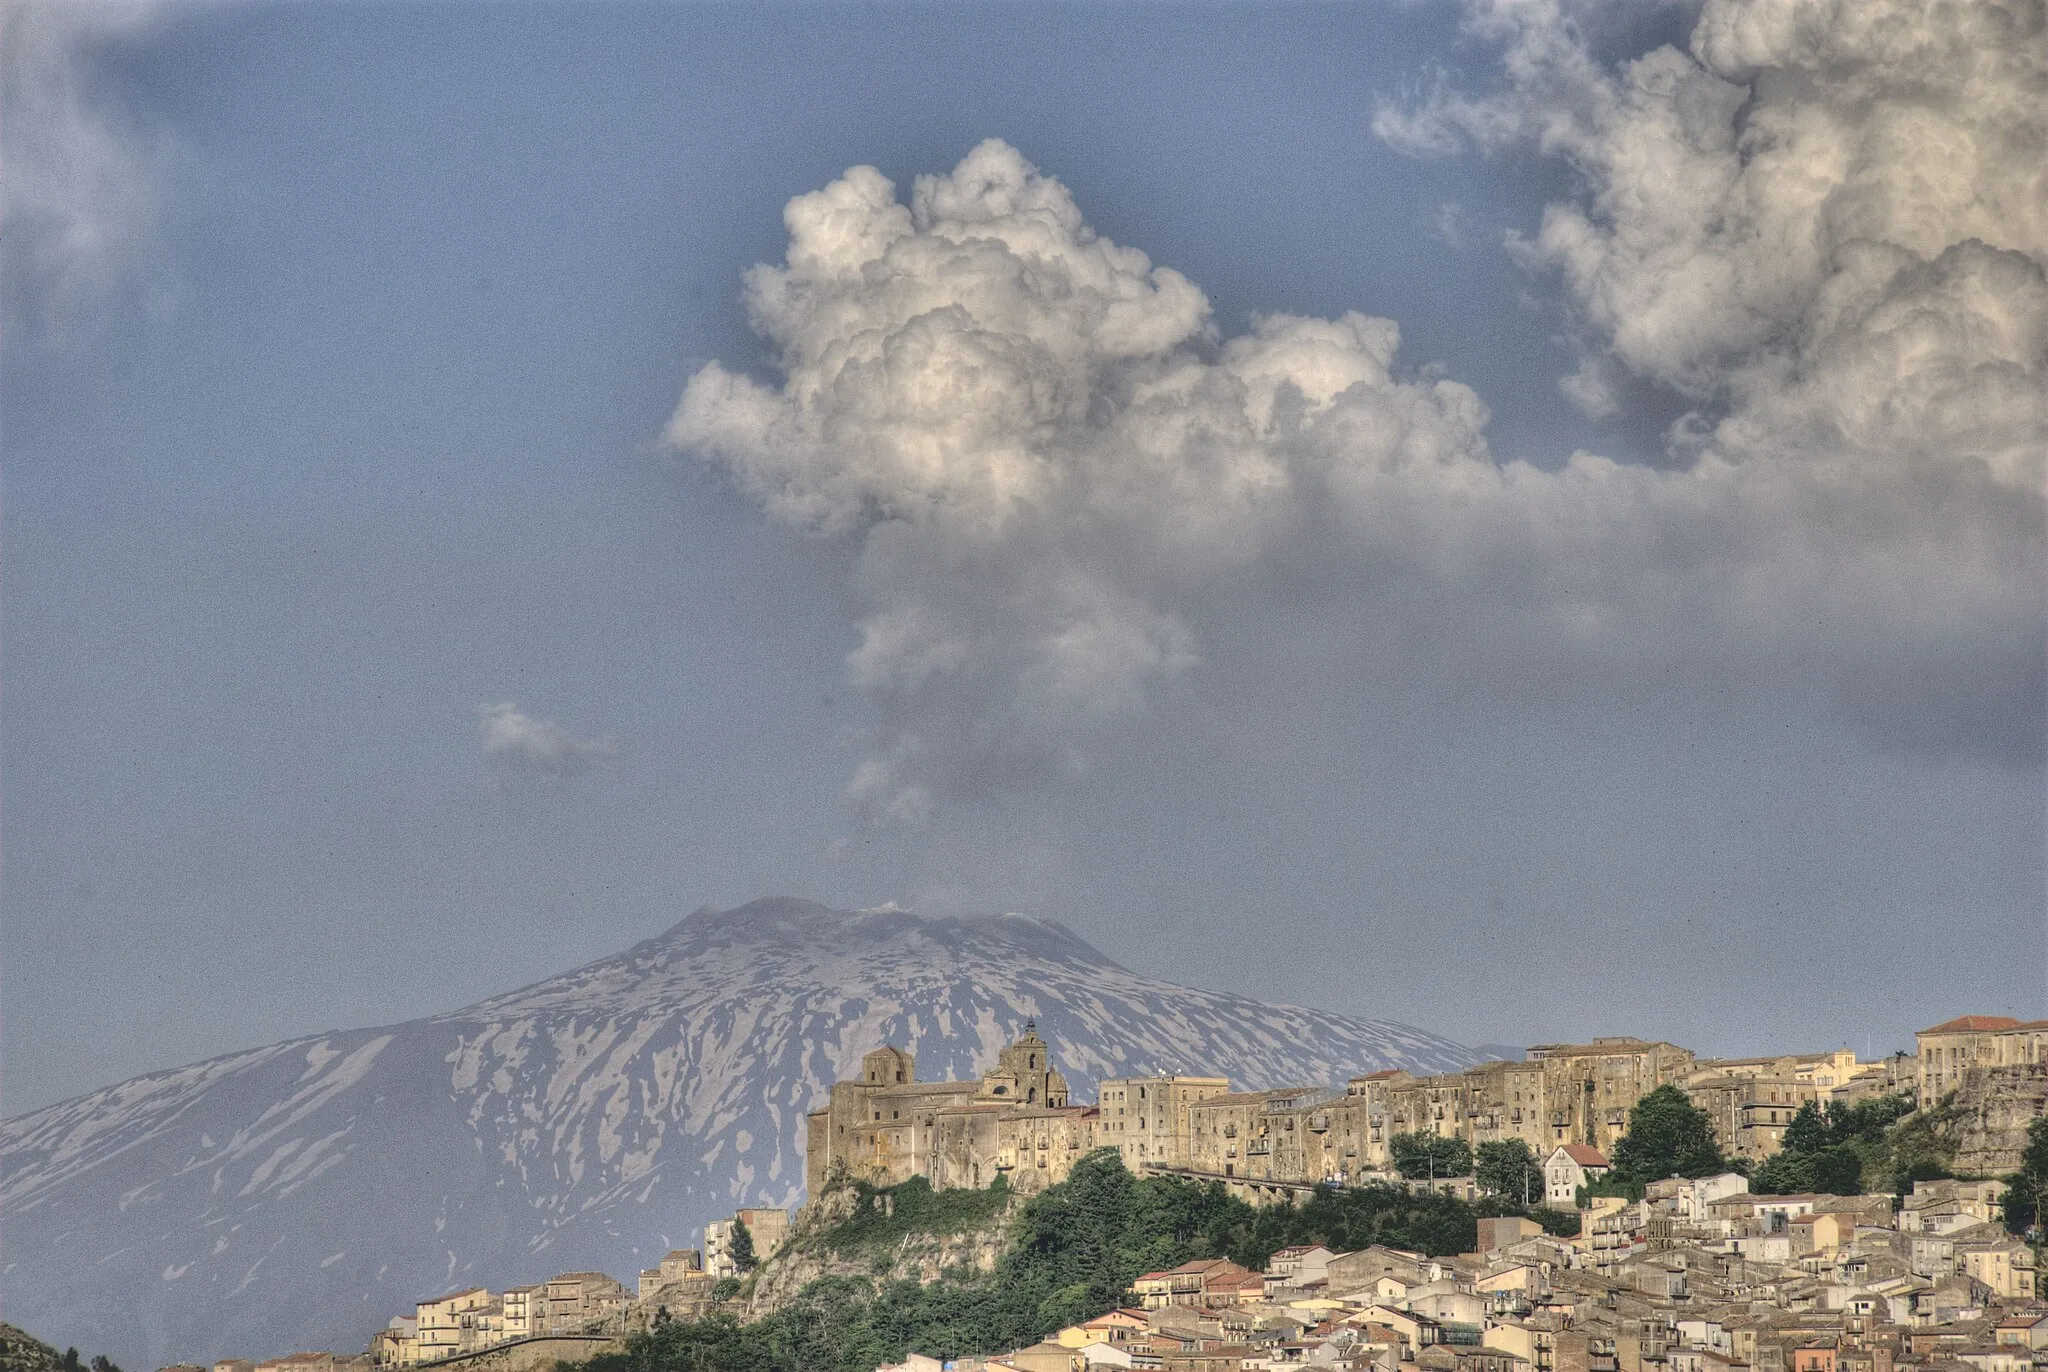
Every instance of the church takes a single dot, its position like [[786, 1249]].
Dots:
[[886, 1126]]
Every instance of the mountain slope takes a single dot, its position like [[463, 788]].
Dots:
[[296, 1196]]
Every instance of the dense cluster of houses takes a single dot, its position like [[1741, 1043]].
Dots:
[[475, 1319], [1699, 1276]]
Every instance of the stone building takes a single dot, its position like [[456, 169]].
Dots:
[[1250, 1134], [1033, 1146], [1146, 1118], [1589, 1088], [677, 1266], [1560, 1094], [1750, 1109], [1950, 1051], [580, 1301], [766, 1230], [886, 1126]]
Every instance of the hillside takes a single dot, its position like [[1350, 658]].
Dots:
[[23, 1352], [298, 1195], [1066, 1254]]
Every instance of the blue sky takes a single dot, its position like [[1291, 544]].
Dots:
[[354, 424]]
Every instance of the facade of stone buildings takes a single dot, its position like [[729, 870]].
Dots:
[[1750, 1110], [886, 1126], [766, 1228], [457, 1323], [579, 1300], [1951, 1050], [1561, 1094], [1146, 1118], [677, 1266], [1016, 1121], [1253, 1135], [1589, 1088], [1990, 1074]]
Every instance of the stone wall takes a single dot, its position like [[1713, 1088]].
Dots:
[[1991, 1111], [534, 1355]]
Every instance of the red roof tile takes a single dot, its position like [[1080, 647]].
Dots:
[[1974, 1024]]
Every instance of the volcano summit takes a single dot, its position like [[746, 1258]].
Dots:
[[293, 1196]]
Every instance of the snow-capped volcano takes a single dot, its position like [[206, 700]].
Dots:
[[299, 1195]]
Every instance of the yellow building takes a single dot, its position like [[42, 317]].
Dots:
[[524, 1308], [2004, 1264], [397, 1344], [449, 1324]]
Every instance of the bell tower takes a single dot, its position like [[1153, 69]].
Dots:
[[1024, 1074]]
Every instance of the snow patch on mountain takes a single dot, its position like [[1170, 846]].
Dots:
[[296, 1196]]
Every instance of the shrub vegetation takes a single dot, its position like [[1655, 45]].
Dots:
[[1074, 1252]]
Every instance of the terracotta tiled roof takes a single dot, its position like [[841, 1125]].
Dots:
[[1585, 1155], [1974, 1024]]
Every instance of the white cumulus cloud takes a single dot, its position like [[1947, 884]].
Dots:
[[1068, 486], [520, 742], [82, 182], [1827, 222]]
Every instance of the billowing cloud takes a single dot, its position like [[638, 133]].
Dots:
[[1068, 486], [1826, 223], [520, 742], [81, 181]]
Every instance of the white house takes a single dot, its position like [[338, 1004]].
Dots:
[[1570, 1166]]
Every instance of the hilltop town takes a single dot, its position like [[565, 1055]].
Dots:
[[1722, 1268]]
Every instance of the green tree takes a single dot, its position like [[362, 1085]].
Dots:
[[1073, 1251], [1668, 1136], [2027, 1189], [1420, 1156], [1508, 1169], [742, 1251], [1808, 1132], [1783, 1173], [1838, 1171], [1868, 1121]]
